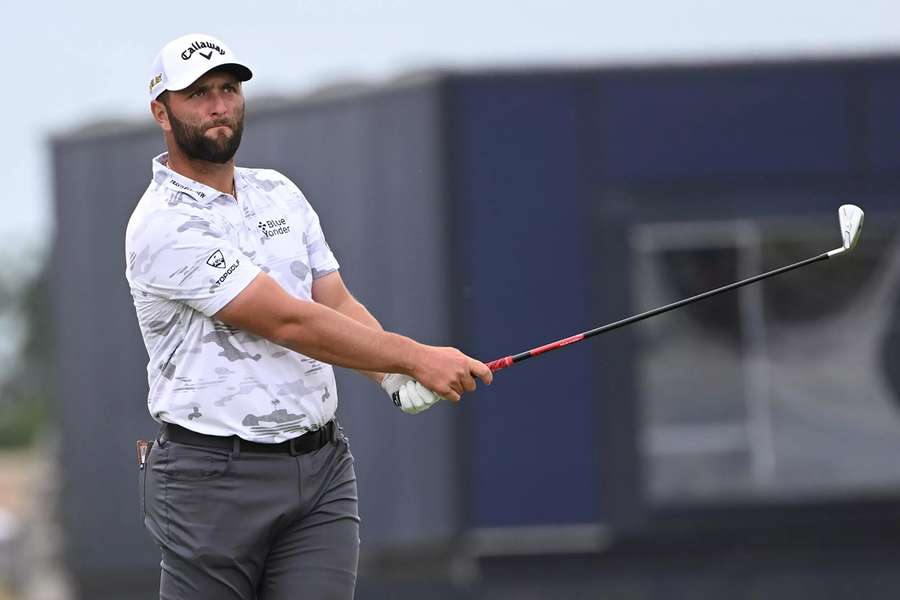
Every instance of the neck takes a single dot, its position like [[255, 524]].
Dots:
[[219, 176]]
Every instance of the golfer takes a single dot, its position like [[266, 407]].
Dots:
[[249, 489]]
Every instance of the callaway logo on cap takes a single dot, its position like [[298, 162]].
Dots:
[[183, 61]]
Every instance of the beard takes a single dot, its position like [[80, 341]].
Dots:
[[197, 146]]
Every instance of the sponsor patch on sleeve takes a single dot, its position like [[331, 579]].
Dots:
[[216, 260]]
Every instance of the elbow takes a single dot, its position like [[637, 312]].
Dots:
[[280, 334], [287, 332]]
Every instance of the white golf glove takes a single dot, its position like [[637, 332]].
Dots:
[[413, 397]]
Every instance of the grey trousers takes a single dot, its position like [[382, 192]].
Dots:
[[252, 526]]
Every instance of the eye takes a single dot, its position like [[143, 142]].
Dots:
[[198, 92]]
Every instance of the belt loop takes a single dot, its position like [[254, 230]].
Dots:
[[236, 447], [339, 435], [292, 446]]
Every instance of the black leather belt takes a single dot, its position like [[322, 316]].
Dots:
[[308, 442]]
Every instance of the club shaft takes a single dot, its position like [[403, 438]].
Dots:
[[506, 361]]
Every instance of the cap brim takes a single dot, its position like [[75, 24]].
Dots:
[[242, 72]]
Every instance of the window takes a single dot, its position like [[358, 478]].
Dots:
[[783, 389]]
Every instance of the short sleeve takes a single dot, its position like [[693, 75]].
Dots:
[[321, 258], [187, 258]]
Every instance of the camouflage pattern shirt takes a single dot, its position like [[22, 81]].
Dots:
[[191, 249]]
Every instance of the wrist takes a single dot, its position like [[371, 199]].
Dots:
[[409, 356]]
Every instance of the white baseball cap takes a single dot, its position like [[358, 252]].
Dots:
[[183, 61]]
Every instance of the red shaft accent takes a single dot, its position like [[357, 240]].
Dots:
[[557, 344], [500, 363]]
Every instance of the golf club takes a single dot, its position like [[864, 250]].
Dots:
[[851, 220]]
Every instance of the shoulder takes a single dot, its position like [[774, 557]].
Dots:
[[272, 182], [265, 179], [162, 213]]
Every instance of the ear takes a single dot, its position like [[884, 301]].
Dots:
[[160, 114]]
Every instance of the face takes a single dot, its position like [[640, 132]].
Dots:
[[205, 120]]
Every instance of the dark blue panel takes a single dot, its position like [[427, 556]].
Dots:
[[521, 241], [881, 93], [660, 125]]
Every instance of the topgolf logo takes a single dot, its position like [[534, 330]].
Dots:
[[225, 275], [216, 260]]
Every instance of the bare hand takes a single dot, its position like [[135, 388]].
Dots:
[[448, 372]]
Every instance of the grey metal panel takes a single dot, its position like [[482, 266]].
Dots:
[[100, 360]]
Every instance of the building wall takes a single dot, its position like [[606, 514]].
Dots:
[[492, 211]]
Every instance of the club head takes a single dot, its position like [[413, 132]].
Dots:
[[851, 217]]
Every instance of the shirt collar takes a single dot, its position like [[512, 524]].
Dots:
[[240, 181], [166, 177]]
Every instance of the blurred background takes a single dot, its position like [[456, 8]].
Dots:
[[495, 176]]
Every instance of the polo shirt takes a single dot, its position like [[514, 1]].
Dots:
[[190, 250]]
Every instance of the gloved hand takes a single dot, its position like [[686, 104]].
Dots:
[[413, 397]]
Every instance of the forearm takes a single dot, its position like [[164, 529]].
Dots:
[[354, 340], [310, 327], [355, 310]]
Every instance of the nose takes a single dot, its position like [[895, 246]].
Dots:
[[218, 106]]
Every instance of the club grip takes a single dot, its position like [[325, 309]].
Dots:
[[500, 363]]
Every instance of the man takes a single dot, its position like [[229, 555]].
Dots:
[[249, 489]]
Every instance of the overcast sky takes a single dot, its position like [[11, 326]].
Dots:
[[66, 64]]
